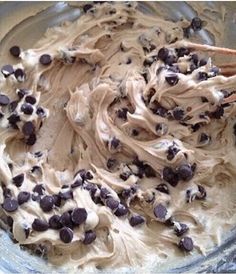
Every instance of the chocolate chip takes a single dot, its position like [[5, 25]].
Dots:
[[20, 75], [135, 132], [77, 183], [136, 220], [172, 79], [23, 197], [30, 99], [27, 109], [13, 105], [47, 203], [28, 128], [115, 143], [186, 244], [170, 176], [18, 180], [7, 70], [218, 113], [178, 113], [4, 100], [204, 138], [92, 188], [122, 113], [21, 93], [202, 193], [149, 171], [112, 203], [196, 24], [31, 140], [163, 188], [66, 235], [140, 173], [15, 51], [37, 170], [163, 54], [171, 152], [160, 211], [104, 193], [202, 76], [81, 173], [87, 7], [121, 210], [180, 229], [40, 225], [159, 110], [66, 195], [125, 175], [137, 162], [79, 216], [65, 219], [204, 99], [111, 163], [89, 237], [40, 112], [170, 221], [84, 174], [97, 200], [10, 204], [54, 222], [202, 62], [1, 115], [182, 51], [185, 172], [129, 61], [45, 59], [39, 189], [88, 175], [196, 127]]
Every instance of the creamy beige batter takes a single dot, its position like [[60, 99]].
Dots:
[[97, 69]]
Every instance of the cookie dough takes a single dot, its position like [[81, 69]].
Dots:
[[117, 144]]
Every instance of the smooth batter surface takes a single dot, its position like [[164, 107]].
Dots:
[[97, 70]]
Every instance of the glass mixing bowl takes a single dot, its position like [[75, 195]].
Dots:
[[23, 23]]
